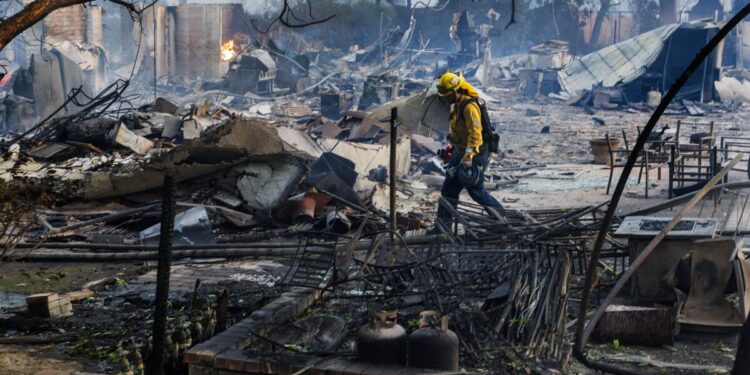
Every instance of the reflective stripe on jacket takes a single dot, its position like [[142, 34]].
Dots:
[[466, 129]]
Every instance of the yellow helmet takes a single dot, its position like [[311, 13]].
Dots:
[[448, 83]]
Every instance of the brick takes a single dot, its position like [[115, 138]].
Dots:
[[205, 353], [230, 360], [234, 331], [41, 298], [357, 368], [228, 372], [335, 366], [262, 315], [284, 314], [392, 370], [200, 370], [49, 305]]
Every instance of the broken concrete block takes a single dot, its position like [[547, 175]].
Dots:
[[171, 127], [194, 127], [263, 185], [49, 305], [138, 144], [426, 143], [166, 106]]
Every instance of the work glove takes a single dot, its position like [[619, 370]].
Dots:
[[468, 157]]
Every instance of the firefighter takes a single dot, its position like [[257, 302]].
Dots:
[[465, 169]]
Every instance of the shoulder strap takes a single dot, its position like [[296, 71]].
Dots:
[[464, 103]]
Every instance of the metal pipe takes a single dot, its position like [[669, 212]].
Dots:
[[138, 247], [153, 255], [394, 136], [684, 198]]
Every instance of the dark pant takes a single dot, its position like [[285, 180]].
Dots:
[[452, 188]]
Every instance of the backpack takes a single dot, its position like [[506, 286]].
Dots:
[[489, 135]]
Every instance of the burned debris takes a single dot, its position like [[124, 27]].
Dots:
[[186, 192]]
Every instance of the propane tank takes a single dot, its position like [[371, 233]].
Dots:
[[433, 345], [382, 340]]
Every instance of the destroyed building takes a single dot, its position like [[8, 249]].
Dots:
[[648, 62], [195, 188]]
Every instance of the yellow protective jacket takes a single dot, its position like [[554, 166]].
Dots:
[[466, 127]]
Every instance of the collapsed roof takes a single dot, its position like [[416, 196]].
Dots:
[[643, 55]]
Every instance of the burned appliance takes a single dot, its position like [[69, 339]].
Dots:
[[254, 72]]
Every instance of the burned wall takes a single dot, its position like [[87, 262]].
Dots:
[[67, 23], [199, 31]]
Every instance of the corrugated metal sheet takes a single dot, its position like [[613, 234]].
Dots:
[[619, 63]]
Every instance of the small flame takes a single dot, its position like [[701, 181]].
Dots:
[[227, 51]]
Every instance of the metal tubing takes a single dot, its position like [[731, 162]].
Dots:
[[394, 136], [153, 255], [193, 251], [118, 247], [684, 198]]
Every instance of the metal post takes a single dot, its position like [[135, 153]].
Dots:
[[156, 360], [645, 156], [380, 35], [671, 171], [153, 12], [394, 136]]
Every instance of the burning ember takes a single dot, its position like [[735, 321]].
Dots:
[[227, 51]]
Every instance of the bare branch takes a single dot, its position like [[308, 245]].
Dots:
[[513, 14], [284, 18], [127, 5]]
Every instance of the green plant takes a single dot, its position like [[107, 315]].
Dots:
[[412, 324], [616, 344]]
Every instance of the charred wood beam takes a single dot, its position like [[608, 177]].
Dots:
[[156, 360]]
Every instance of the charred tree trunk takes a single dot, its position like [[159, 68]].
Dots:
[[742, 359], [596, 30]]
